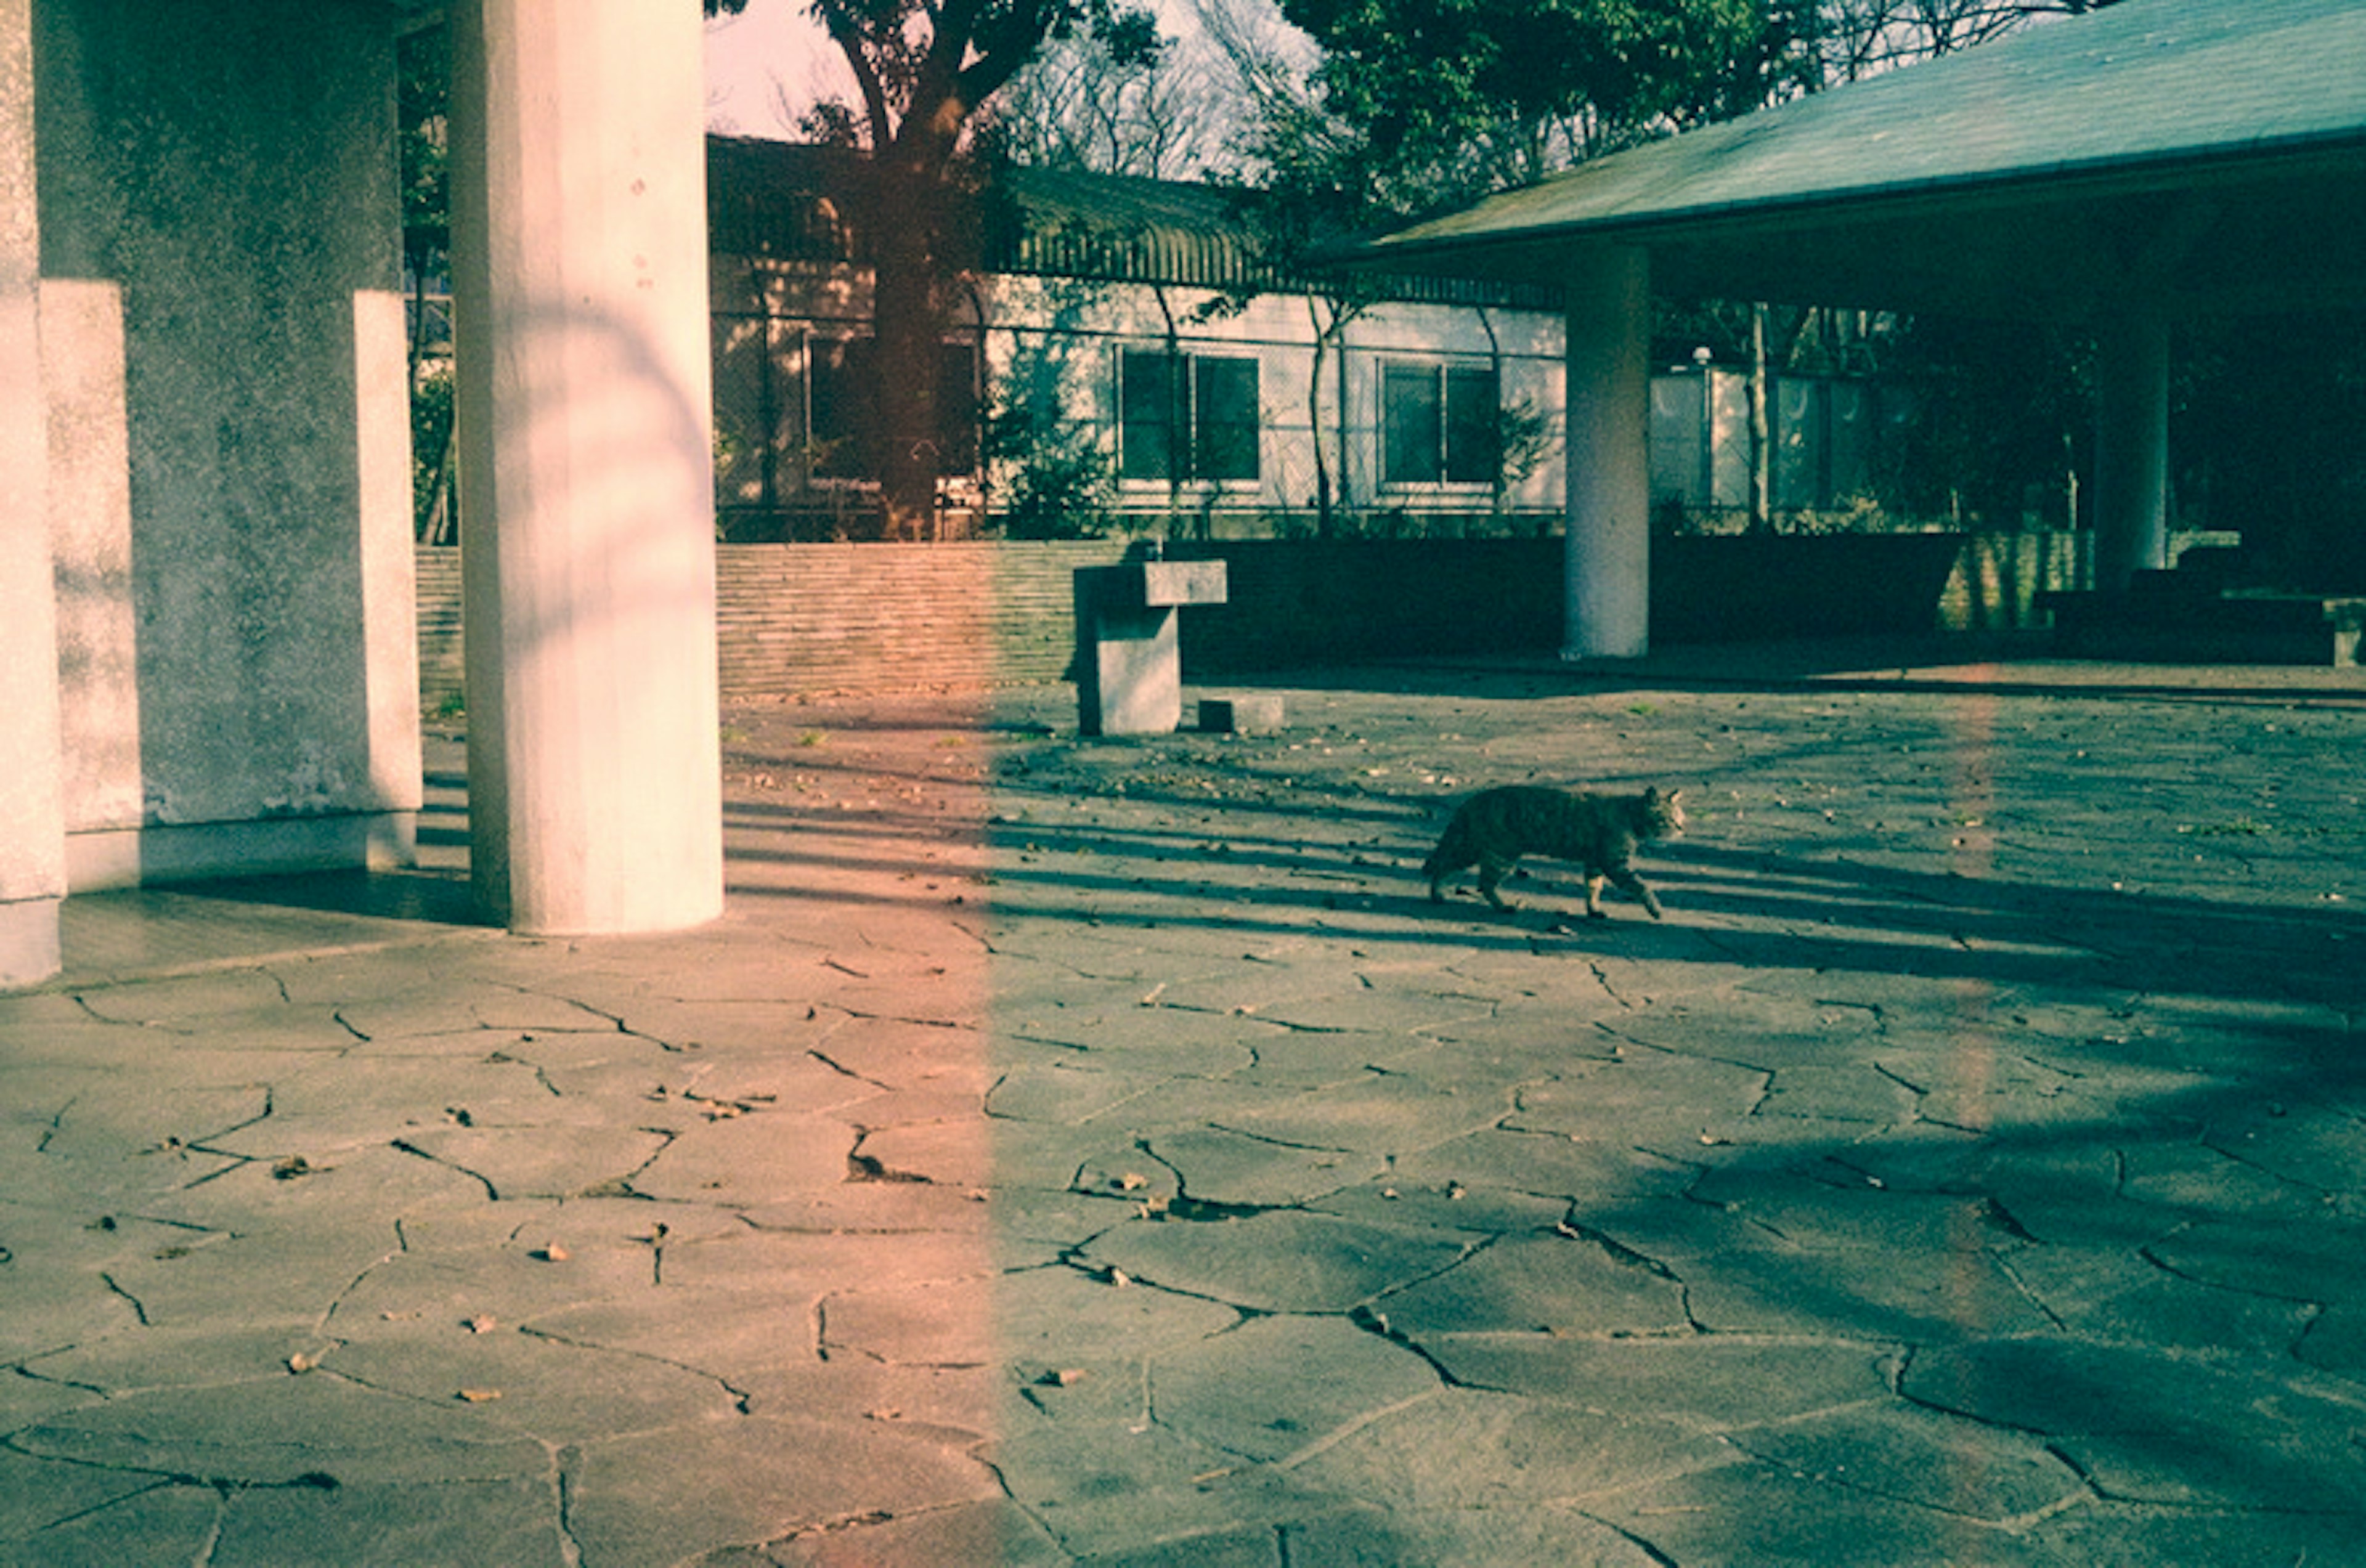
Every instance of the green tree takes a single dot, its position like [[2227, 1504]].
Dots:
[[1450, 98], [923, 71]]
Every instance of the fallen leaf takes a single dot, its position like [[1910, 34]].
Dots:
[[483, 1323], [478, 1395], [551, 1254]]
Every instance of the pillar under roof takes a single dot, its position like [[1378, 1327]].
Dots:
[[581, 275], [1608, 556], [32, 805]]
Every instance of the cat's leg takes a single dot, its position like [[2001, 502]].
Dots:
[[1633, 885], [1594, 897], [1492, 871]]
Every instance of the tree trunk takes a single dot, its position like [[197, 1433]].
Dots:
[[907, 322], [1761, 432]]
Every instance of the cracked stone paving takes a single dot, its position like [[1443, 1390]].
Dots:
[[1101, 1151]]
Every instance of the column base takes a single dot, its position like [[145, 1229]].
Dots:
[[29, 951], [134, 857]]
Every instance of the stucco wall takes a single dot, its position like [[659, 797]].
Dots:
[[221, 350]]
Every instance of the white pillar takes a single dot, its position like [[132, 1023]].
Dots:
[[32, 807], [1609, 455], [579, 255], [2131, 448]]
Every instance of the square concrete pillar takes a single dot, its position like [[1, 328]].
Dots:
[[1608, 584], [222, 370], [579, 263]]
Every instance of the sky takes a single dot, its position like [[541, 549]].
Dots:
[[775, 51], [770, 50]]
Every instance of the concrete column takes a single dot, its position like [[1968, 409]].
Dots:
[[33, 801], [588, 557], [1609, 455], [2131, 449]]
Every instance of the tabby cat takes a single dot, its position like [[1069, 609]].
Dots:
[[1496, 827]]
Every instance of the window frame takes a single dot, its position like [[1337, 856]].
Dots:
[[1448, 464], [959, 472], [1183, 384]]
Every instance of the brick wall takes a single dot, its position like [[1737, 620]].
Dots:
[[881, 617]]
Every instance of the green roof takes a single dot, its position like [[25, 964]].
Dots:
[[2253, 109]]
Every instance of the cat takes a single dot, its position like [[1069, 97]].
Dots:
[[1599, 832]]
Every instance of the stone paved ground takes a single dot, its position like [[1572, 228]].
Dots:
[[1074, 1151]]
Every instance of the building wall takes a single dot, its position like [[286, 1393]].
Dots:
[[221, 355], [1056, 341]]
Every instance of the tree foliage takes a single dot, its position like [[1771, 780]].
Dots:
[[1449, 97]]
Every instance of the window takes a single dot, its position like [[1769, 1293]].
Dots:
[[842, 408], [1187, 416], [1439, 424]]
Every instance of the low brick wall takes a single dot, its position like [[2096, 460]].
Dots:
[[880, 617], [793, 618]]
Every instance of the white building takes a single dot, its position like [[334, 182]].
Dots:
[[1130, 328]]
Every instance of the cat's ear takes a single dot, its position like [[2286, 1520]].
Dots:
[[1650, 792], [1675, 796]]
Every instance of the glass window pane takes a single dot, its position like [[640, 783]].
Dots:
[[1472, 429], [842, 408], [1411, 438], [1146, 415], [1226, 430], [957, 410]]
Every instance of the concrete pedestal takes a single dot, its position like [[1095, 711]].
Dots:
[[1129, 661]]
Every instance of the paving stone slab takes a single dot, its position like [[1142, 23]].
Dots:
[[511, 1521], [1749, 1515], [1280, 1261], [156, 1522], [288, 1430], [40, 1497], [1584, 1168], [760, 1158], [1541, 1284], [1380, 1113], [1466, 1449], [1387, 1538], [1213, 1164], [1862, 1292], [1123, 1483], [2151, 1425], [1710, 1382], [2136, 1296], [1451, 1208], [1892, 1451], [974, 1535], [1052, 1319], [667, 1497], [548, 1161], [1277, 1387], [953, 1152], [937, 1323]]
